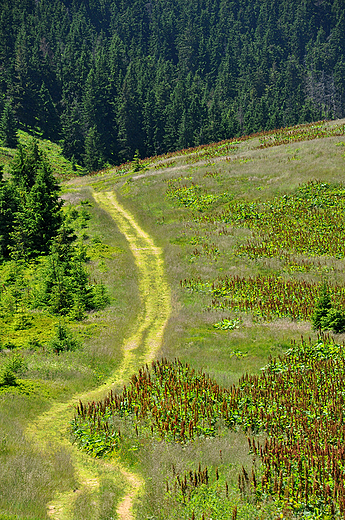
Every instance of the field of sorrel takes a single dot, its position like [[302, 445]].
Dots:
[[297, 402]]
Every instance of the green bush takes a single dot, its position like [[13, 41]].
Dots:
[[334, 321], [322, 307], [14, 365], [63, 340], [7, 377], [100, 297], [17, 363], [325, 317]]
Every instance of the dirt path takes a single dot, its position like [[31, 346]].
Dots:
[[51, 428]]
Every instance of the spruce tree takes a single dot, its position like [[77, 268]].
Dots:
[[25, 164], [94, 156], [72, 131], [43, 210], [38, 215], [9, 202], [322, 307], [8, 127], [48, 119]]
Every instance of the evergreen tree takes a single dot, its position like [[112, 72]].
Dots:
[[94, 157], [38, 216], [25, 165], [72, 131], [43, 210], [9, 203], [129, 118], [8, 127], [63, 340], [48, 120], [322, 307], [117, 72], [65, 287]]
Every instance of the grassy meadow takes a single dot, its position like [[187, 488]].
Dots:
[[251, 229]]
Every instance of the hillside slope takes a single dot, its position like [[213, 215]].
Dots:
[[251, 229], [247, 232]]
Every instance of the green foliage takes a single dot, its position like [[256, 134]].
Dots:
[[322, 307], [8, 127], [8, 208], [324, 316], [94, 441], [58, 282], [26, 164], [268, 297], [174, 75], [309, 222], [94, 158], [61, 166], [13, 366], [199, 491], [136, 162], [334, 320], [286, 402], [16, 363], [100, 296], [296, 397], [7, 377], [30, 212], [171, 400], [65, 287], [227, 324], [63, 340], [204, 494], [16, 301], [193, 197]]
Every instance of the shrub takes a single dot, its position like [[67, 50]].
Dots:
[[325, 317], [63, 340], [7, 377], [15, 364], [100, 297], [334, 320], [322, 307]]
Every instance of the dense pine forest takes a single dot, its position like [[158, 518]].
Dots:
[[109, 77]]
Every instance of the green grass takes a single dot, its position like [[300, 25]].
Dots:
[[62, 167], [28, 477], [198, 243], [31, 476]]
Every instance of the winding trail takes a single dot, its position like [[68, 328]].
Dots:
[[51, 428]]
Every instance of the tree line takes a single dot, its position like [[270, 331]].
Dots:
[[35, 231], [109, 77]]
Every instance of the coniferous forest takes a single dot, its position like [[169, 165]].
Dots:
[[108, 77]]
